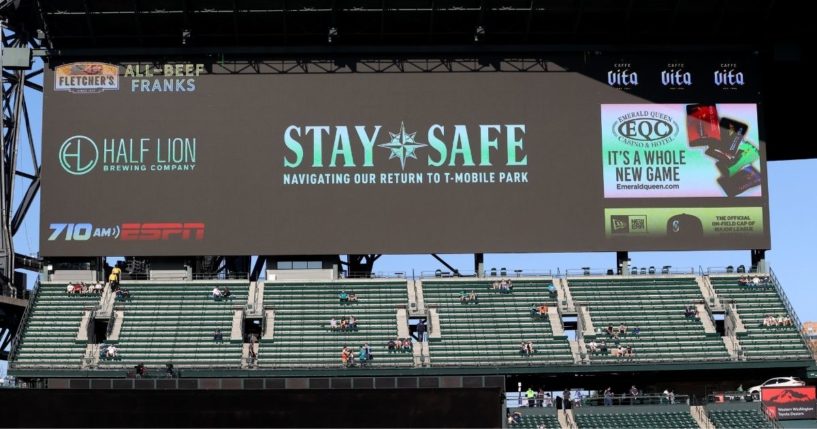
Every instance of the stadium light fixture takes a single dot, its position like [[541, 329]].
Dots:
[[333, 32], [185, 36]]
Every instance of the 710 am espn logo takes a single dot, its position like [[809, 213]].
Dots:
[[128, 231]]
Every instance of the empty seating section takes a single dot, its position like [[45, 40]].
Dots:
[[490, 332], [752, 418], [302, 337], [545, 421], [174, 323], [753, 304], [668, 420], [656, 307], [49, 338]]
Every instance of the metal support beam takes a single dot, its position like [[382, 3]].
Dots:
[[623, 262], [454, 271], [16, 135], [479, 264], [256, 270], [759, 260]]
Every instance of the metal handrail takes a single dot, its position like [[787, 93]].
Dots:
[[15, 344], [111, 321], [771, 417], [790, 309]]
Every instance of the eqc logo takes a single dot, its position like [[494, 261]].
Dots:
[[645, 129], [162, 231], [78, 155]]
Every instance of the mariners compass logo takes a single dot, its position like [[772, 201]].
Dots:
[[402, 145]]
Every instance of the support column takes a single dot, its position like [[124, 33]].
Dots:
[[479, 264], [759, 260], [623, 262]]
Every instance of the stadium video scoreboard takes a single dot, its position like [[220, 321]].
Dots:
[[618, 153]]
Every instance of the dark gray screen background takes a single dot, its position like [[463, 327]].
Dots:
[[236, 188]]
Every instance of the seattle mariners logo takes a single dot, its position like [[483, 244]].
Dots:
[[402, 145]]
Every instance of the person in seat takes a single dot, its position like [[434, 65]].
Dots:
[[343, 296], [216, 293]]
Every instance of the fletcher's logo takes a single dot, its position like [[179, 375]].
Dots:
[[86, 77]]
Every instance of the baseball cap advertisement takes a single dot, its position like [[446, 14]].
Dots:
[[190, 159]]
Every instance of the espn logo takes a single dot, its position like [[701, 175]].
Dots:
[[162, 231]]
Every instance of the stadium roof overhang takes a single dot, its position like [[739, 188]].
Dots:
[[304, 28]]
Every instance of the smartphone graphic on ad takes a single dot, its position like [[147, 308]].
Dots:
[[703, 127], [732, 134]]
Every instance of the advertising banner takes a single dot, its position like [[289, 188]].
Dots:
[[186, 159], [790, 403], [677, 150]]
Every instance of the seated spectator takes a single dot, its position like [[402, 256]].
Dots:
[[534, 309], [743, 281], [112, 352], [352, 297], [216, 293], [636, 331], [529, 348], [552, 291], [83, 287], [226, 292], [543, 310], [343, 296], [472, 297], [141, 371], [609, 330], [463, 296], [344, 324], [77, 287], [629, 351], [352, 322], [407, 344], [622, 330], [523, 347], [218, 336], [362, 357], [392, 346], [69, 288], [593, 346], [344, 356], [687, 311], [516, 417], [333, 324], [98, 287], [169, 372]]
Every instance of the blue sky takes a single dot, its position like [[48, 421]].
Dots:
[[793, 210]]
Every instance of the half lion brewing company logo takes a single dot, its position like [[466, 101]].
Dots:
[[86, 77], [79, 155], [645, 129]]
